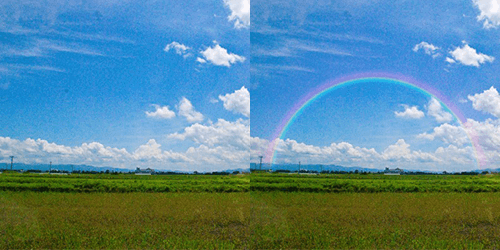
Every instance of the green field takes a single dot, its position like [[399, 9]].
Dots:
[[124, 183], [374, 183], [258, 211]]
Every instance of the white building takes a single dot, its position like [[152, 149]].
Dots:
[[146, 171], [396, 171]]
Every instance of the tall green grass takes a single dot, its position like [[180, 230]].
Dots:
[[124, 183], [374, 183]]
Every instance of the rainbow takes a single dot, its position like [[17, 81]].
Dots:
[[323, 89]]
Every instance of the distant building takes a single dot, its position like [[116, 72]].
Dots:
[[146, 171], [396, 171], [260, 170]]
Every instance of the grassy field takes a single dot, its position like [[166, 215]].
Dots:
[[123, 183], [374, 183], [263, 211], [124, 220], [375, 220]]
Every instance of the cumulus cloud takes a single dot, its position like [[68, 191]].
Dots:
[[398, 154], [180, 49], [187, 110], [235, 134], [485, 135], [161, 112], [489, 12], [240, 12], [220, 152], [488, 101], [428, 48], [237, 102], [219, 56], [435, 110], [447, 133], [401, 151], [468, 56], [410, 112], [41, 151]]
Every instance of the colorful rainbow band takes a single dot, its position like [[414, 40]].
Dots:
[[359, 78]]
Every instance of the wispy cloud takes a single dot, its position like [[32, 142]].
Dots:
[[316, 47], [270, 67], [60, 46], [15, 69]]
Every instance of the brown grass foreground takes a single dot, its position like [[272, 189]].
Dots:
[[119, 221], [255, 220]]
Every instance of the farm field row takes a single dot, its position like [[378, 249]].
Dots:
[[249, 220], [327, 183], [124, 183], [373, 183]]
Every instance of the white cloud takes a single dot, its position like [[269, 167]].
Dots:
[[161, 112], [238, 102], [223, 143], [219, 56], [488, 101], [447, 133], [410, 112], [487, 134], [187, 110], [462, 100], [400, 151], [490, 12], [222, 133], [223, 152], [400, 154], [152, 151], [240, 12], [428, 48], [435, 110], [180, 49], [201, 60], [449, 60], [468, 56]]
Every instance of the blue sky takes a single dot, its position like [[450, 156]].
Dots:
[[125, 84], [453, 48]]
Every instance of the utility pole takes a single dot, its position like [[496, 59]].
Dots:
[[11, 162], [260, 162], [321, 166], [299, 168], [50, 167]]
